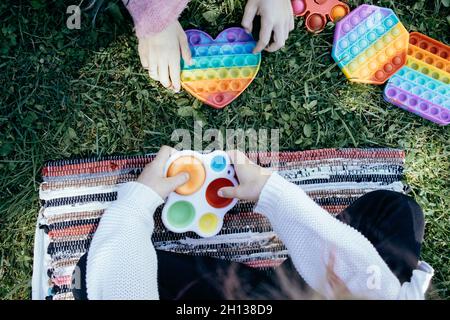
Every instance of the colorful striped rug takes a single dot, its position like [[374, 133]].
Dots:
[[75, 193]]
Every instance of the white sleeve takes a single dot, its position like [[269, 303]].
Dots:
[[122, 262], [311, 235]]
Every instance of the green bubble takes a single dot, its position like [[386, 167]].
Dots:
[[181, 214]]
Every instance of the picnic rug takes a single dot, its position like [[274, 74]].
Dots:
[[74, 194]]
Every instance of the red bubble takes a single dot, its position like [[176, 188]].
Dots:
[[388, 68], [211, 193], [315, 22]]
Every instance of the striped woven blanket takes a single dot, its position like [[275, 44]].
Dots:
[[75, 193]]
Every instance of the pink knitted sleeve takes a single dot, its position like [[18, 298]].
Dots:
[[153, 16]]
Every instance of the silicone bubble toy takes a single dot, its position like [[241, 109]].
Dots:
[[222, 68], [196, 206], [317, 12], [370, 44], [423, 85]]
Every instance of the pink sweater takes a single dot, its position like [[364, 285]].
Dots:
[[153, 16]]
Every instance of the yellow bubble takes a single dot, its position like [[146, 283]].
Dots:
[[390, 51], [381, 58], [399, 45], [373, 65], [387, 39], [361, 59], [378, 45], [208, 223], [365, 73], [353, 66], [371, 52], [395, 32]]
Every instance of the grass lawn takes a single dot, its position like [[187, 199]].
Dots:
[[72, 93]]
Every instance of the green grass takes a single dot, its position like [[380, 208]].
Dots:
[[75, 93]]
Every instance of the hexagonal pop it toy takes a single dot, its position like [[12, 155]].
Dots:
[[196, 206], [317, 12], [423, 85], [222, 68], [370, 44]]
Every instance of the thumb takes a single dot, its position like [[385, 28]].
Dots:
[[229, 192], [176, 181]]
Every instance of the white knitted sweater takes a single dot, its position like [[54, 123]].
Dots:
[[122, 262]]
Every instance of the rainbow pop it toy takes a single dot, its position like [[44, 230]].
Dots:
[[222, 68], [370, 44], [196, 206], [317, 12], [422, 86]]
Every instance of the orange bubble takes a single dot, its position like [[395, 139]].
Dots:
[[338, 12], [192, 166], [379, 75], [397, 61]]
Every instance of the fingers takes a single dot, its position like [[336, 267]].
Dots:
[[152, 64], [249, 15], [264, 35], [184, 48], [143, 50], [163, 71], [165, 152], [161, 158], [238, 157], [229, 192], [174, 68], [291, 24], [280, 36]]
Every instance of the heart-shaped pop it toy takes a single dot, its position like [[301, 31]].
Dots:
[[370, 44], [196, 206], [423, 85], [317, 12], [222, 68]]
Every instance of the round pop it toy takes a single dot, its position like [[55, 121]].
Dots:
[[317, 12], [423, 85], [222, 68], [196, 205], [370, 44]]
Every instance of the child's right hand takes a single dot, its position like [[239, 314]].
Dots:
[[252, 178], [160, 55], [277, 18]]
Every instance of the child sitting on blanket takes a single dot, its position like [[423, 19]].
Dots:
[[370, 251], [162, 39]]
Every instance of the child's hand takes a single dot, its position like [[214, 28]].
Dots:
[[252, 178], [276, 16], [160, 55], [153, 174]]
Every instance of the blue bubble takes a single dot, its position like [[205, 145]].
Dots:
[[218, 163]]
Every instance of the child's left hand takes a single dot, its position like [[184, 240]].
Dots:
[[277, 17]]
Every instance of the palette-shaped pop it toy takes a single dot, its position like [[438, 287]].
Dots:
[[370, 44], [196, 206], [422, 86], [317, 12], [222, 68]]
